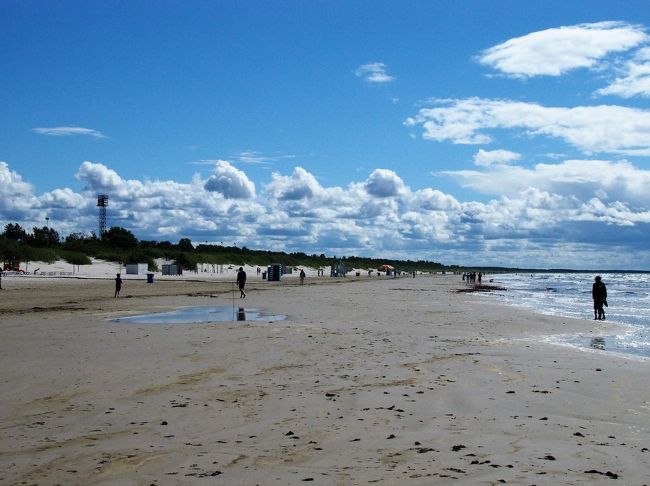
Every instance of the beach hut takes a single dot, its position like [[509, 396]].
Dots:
[[274, 272], [136, 268], [172, 269], [338, 269]]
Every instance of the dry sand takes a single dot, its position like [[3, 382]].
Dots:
[[387, 381]]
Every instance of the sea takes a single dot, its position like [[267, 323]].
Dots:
[[569, 295]]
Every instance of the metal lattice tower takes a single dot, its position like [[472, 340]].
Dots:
[[102, 203]]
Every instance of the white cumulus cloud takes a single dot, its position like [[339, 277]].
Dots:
[[98, 176], [529, 215], [230, 181], [300, 185], [591, 129], [490, 157], [16, 195], [374, 72], [384, 183], [555, 51], [64, 198], [635, 78], [580, 179]]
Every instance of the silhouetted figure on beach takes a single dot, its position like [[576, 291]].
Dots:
[[241, 282], [599, 294], [118, 285], [302, 276]]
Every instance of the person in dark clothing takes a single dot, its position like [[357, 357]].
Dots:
[[241, 282], [599, 294], [118, 285]]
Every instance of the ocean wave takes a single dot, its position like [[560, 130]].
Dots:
[[569, 295]]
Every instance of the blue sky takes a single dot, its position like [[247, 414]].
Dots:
[[476, 132]]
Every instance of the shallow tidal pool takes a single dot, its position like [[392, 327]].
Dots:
[[191, 315]]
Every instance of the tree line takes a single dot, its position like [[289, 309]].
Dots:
[[120, 245]]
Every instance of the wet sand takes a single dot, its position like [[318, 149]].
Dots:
[[387, 381]]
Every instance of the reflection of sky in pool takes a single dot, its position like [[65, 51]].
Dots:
[[188, 315]]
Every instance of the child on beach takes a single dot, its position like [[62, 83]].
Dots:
[[118, 285]]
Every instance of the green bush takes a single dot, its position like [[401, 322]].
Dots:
[[110, 255], [75, 257], [46, 255]]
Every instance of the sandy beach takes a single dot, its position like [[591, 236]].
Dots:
[[367, 381]]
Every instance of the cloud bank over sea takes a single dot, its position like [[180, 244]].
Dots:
[[524, 223]]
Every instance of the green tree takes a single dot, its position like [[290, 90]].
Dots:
[[185, 244], [121, 238], [12, 252], [15, 232], [45, 237], [78, 241], [186, 261], [9, 251]]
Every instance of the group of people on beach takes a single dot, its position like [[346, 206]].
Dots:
[[470, 277], [241, 283], [598, 290]]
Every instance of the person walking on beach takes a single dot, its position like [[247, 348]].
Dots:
[[302, 276], [599, 294], [241, 282], [118, 285]]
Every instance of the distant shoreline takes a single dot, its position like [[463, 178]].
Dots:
[[108, 268]]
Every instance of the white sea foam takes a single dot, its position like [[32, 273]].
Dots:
[[569, 295]]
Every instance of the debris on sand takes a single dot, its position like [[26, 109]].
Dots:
[[481, 288]]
